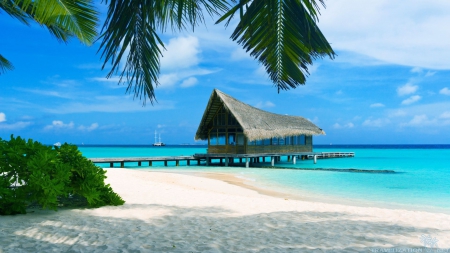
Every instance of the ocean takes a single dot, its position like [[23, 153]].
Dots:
[[421, 180]]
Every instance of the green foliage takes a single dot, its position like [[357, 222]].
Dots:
[[31, 172], [281, 34]]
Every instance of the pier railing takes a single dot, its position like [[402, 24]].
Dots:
[[224, 159]]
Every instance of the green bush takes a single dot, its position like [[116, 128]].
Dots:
[[32, 173]]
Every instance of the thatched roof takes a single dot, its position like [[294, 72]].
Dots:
[[257, 124]]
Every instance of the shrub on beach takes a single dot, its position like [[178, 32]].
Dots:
[[32, 173]]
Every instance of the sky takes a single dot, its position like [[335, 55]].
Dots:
[[389, 83]]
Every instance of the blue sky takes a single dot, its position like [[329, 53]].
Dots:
[[389, 83]]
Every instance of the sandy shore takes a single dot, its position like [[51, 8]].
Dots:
[[167, 212]]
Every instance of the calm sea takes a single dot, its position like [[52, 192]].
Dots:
[[421, 181]]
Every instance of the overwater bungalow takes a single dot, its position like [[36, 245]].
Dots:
[[233, 127]]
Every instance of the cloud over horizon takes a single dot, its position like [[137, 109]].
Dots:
[[391, 32]]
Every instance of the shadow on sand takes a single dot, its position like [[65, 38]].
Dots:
[[175, 229]]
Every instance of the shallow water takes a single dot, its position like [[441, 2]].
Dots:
[[422, 180]]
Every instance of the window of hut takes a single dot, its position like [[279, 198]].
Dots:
[[221, 140], [213, 137], [301, 140], [240, 139], [275, 141], [231, 139], [288, 140]]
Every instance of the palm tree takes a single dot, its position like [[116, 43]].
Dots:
[[64, 19], [281, 34]]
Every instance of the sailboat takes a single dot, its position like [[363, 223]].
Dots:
[[158, 143]]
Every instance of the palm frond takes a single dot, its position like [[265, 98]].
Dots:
[[12, 9], [5, 65], [64, 18], [182, 13], [283, 36], [132, 25]]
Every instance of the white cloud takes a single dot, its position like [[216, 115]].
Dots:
[[410, 35], [261, 72], [339, 126], [376, 105], [397, 113], [92, 127], [2, 117], [113, 79], [114, 104], [239, 54], [191, 81], [445, 115], [430, 73], [421, 120], [266, 104], [407, 89], [113, 82], [411, 100], [433, 110], [58, 124], [376, 122], [416, 70], [168, 80], [445, 91], [314, 120], [50, 93], [15, 126], [182, 52]]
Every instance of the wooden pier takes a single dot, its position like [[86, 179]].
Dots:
[[148, 160], [225, 159]]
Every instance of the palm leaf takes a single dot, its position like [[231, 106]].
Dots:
[[12, 9], [282, 35], [64, 18], [5, 65], [133, 26]]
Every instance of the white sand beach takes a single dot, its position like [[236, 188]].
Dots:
[[168, 212]]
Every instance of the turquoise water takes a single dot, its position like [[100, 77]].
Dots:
[[422, 181]]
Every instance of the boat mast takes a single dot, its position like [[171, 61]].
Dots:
[[155, 136]]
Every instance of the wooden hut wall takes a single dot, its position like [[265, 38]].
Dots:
[[258, 149], [261, 149], [222, 136]]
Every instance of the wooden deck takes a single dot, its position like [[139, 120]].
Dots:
[[224, 159], [148, 160]]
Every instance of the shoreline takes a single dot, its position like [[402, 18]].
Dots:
[[172, 212], [287, 193]]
